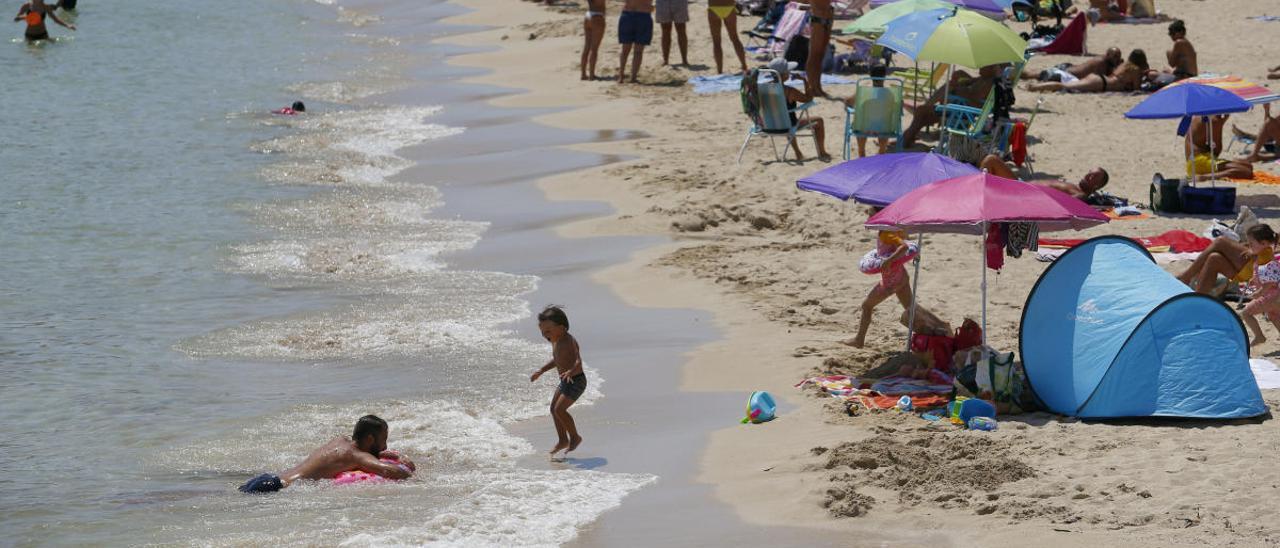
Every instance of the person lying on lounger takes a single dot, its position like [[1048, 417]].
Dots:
[[1067, 72], [973, 90], [1204, 163], [1092, 182], [1126, 77]]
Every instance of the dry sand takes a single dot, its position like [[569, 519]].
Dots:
[[777, 268]]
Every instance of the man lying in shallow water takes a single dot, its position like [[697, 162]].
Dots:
[[359, 452]]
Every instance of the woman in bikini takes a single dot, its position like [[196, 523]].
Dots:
[[725, 11], [821, 18], [593, 30], [1126, 77], [34, 13]]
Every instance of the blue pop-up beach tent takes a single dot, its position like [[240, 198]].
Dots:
[[1106, 333]]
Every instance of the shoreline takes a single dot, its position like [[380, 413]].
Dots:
[[770, 265]]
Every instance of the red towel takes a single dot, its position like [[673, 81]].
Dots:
[[1018, 143], [1179, 241], [1071, 40]]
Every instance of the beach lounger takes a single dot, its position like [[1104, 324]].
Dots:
[[794, 19], [773, 119], [876, 112]]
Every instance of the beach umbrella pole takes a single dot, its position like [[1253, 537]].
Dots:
[[915, 284], [984, 290]]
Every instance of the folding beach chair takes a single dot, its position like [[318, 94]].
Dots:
[[1071, 41], [968, 131], [848, 9], [876, 112], [1004, 131], [770, 116], [919, 84]]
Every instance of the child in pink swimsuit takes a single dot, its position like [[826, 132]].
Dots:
[[888, 259]]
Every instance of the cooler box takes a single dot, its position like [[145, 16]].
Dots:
[[1209, 200]]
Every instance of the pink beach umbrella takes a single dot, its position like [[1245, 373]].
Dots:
[[970, 204]]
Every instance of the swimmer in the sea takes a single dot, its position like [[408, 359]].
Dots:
[[566, 359], [296, 108], [359, 452], [34, 14]]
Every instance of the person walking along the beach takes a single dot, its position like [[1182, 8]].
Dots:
[[888, 259], [821, 18], [673, 13], [726, 12], [566, 359], [362, 451], [593, 31], [34, 13], [635, 31]]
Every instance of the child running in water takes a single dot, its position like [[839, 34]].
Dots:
[[1266, 300], [887, 259], [567, 361]]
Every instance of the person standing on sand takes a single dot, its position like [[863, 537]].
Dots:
[[34, 13], [593, 30], [726, 12], [1182, 56], [362, 451], [673, 13], [566, 359], [821, 18], [635, 30]]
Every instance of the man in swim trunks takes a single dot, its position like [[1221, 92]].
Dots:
[[34, 13], [1067, 72], [673, 13], [635, 31], [1182, 57], [566, 359], [1092, 182], [593, 35], [821, 18], [361, 451], [1204, 163]]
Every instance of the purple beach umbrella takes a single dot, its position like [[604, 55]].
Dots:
[[989, 6], [880, 180]]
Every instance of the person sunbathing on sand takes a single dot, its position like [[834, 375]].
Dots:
[[1233, 260], [973, 90], [1126, 77], [566, 359], [361, 451], [1204, 163], [1273, 73], [1092, 182], [1267, 141], [1182, 56], [1067, 72], [892, 252]]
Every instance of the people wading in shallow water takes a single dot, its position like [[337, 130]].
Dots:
[[362, 451], [34, 13], [567, 361]]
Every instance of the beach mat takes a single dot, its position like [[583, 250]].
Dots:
[[1259, 178], [1111, 214], [1176, 241]]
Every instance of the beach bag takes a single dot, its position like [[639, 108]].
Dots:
[[1211, 200], [1003, 381], [797, 50], [760, 408], [1164, 194]]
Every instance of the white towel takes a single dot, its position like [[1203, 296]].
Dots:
[[1267, 374]]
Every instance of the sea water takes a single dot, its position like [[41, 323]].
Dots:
[[194, 291]]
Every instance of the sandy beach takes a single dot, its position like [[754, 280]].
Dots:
[[776, 268]]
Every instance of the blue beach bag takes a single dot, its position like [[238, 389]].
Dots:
[[760, 408]]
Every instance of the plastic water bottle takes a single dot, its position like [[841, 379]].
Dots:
[[982, 423], [904, 404]]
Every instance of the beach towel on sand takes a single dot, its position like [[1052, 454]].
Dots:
[[918, 401], [1177, 241], [725, 83], [1266, 373], [1260, 178]]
